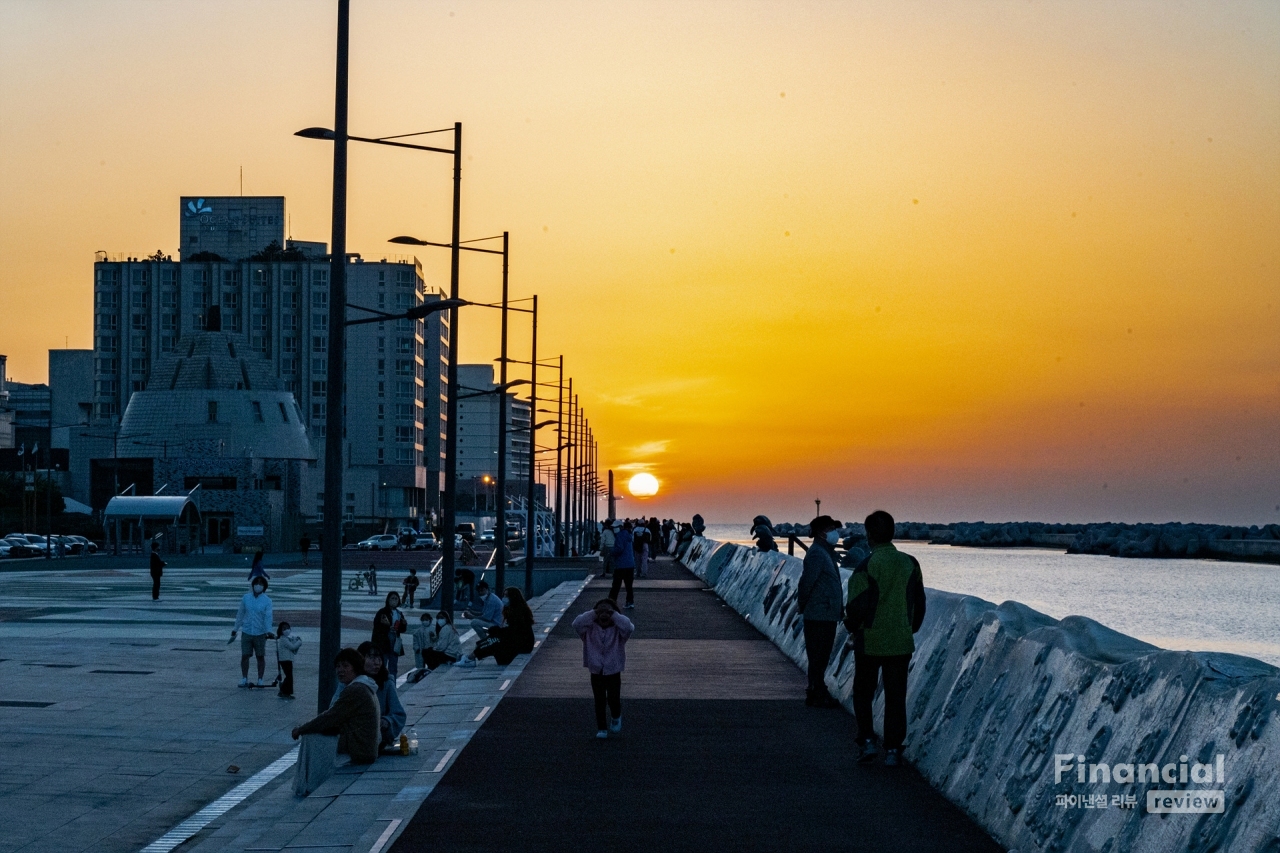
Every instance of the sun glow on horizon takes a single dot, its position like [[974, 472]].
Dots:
[[643, 485]]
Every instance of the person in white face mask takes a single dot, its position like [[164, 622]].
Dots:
[[821, 601], [439, 643], [254, 618]]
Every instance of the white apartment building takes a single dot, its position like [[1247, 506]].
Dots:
[[274, 301]]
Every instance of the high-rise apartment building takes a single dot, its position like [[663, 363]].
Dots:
[[479, 415], [274, 301]]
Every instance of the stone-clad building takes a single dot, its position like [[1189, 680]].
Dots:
[[274, 305], [214, 416]]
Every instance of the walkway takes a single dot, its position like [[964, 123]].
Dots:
[[718, 752]]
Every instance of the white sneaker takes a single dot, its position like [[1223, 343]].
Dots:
[[616, 725], [602, 734], [467, 663], [244, 682]]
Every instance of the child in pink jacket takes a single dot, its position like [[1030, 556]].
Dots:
[[604, 632]]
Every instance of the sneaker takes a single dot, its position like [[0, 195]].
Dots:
[[602, 734], [893, 758], [244, 682], [631, 605], [260, 684], [869, 752], [467, 663], [615, 726]]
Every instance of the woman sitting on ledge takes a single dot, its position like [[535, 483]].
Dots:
[[354, 716]]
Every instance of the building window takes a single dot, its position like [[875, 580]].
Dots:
[[289, 278], [319, 321], [382, 366], [381, 412], [381, 433], [168, 322], [108, 366], [107, 299], [289, 344], [319, 343], [319, 388], [168, 342], [139, 322], [138, 385], [260, 343], [320, 278], [405, 345], [168, 299], [140, 278], [289, 367], [105, 387], [382, 344], [289, 301], [404, 278], [404, 455], [257, 410], [167, 275], [230, 301], [404, 388], [289, 322], [381, 456], [107, 410], [139, 343], [404, 411], [404, 434], [230, 279], [260, 278], [106, 322], [318, 411], [260, 322], [213, 411], [235, 322], [197, 321], [404, 367]]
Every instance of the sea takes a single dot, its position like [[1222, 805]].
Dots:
[[1193, 605]]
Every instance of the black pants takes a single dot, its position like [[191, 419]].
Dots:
[[819, 637], [865, 678], [434, 659], [621, 576], [607, 688], [286, 686], [155, 587]]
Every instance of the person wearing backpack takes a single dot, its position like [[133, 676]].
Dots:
[[885, 608]]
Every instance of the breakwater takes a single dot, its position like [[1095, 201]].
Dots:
[[1000, 697], [1222, 542]]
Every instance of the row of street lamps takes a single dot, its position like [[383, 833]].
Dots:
[[576, 484]]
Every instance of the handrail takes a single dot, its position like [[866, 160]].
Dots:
[[435, 577]]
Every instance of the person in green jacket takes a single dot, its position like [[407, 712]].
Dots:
[[885, 608]]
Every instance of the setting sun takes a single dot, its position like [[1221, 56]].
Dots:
[[643, 485]]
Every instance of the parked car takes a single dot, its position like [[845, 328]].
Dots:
[[381, 542], [5, 547], [20, 546], [487, 537], [467, 531], [424, 542], [86, 546], [37, 541]]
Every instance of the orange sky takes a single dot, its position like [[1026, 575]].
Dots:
[[960, 261]]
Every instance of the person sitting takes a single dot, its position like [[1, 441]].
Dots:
[[490, 615], [442, 643], [391, 712], [354, 714], [515, 637]]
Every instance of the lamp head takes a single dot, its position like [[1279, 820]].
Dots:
[[315, 133]]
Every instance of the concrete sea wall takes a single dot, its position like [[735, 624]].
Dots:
[[1003, 698]]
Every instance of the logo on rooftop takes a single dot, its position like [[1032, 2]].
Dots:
[[197, 207]]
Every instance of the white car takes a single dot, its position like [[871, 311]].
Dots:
[[381, 542], [424, 542]]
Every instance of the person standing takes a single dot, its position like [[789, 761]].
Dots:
[[886, 607], [157, 570], [624, 565], [606, 546], [253, 623], [287, 646], [411, 583], [821, 603], [640, 545], [655, 539], [372, 575], [304, 545], [388, 624], [604, 632]]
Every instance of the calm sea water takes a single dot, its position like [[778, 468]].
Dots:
[[1199, 605]]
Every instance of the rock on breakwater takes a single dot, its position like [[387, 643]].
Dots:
[[996, 692]]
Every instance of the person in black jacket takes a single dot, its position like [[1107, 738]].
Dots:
[[157, 569], [513, 637]]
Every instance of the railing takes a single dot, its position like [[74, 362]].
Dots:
[[435, 578]]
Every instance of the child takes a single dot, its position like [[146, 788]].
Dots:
[[421, 641], [604, 632], [410, 587], [287, 646], [372, 575]]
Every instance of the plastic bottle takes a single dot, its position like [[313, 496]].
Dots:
[[413, 741]]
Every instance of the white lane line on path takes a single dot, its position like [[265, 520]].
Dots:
[[507, 684], [228, 801], [480, 716], [386, 834], [444, 760]]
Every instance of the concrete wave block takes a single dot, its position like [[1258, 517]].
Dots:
[[996, 692]]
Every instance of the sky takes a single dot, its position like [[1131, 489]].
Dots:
[[960, 261]]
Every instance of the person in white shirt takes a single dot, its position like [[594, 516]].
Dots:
[[253, 623]]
